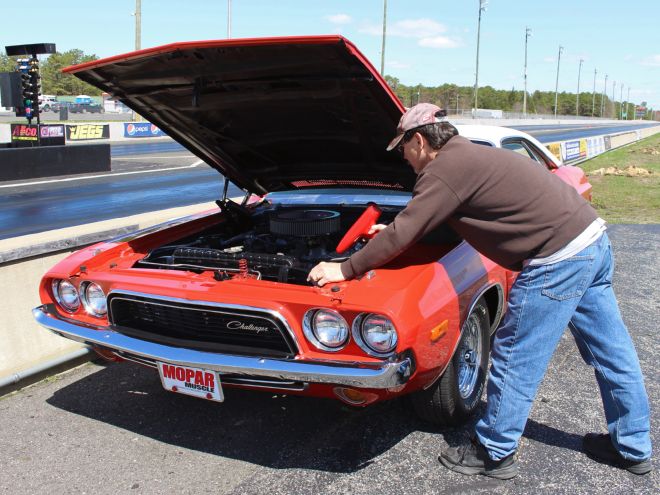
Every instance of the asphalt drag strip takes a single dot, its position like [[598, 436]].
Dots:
[[112, 428]]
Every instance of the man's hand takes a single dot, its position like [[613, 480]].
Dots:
[[374, 229], [324, 273]]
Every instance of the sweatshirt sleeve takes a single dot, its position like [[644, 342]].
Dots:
[[432, 202]]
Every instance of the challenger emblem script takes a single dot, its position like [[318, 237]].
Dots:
[[237, 325]]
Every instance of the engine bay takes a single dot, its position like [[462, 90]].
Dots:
[[275, 243]]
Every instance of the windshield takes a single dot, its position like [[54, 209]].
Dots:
[[339, 197]]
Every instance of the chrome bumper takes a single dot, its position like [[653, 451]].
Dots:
[[383, 375]]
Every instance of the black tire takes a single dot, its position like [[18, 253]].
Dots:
[[454, 397]]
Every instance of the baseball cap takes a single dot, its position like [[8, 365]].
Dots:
[[417, 116]]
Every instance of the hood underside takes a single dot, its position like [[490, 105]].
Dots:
[[269, 114]]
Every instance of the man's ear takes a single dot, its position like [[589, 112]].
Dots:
[[419, 139]]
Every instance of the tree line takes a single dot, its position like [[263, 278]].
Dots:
[[448, 96], [53, 80], [461, 98]]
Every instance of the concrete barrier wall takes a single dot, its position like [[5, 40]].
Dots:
[[5, 133], [576, 151], [25, 259], [50, 161], [23, 343]]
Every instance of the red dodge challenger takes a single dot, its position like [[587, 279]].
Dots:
[[221, 299]]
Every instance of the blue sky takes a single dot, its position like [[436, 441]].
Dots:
[[429, 41]]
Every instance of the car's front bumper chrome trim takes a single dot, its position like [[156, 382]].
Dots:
[[381, 375]]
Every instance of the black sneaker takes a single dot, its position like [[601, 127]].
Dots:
[[473, 459], [599, 447]]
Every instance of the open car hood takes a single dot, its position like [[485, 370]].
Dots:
[[270, 114]]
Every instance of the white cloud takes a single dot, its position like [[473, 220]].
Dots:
[[339, 19], [409, 28], [641, 92], [395, 64], [550, 59], [438, 42], [652, 61], [427, 31], [416, 28]]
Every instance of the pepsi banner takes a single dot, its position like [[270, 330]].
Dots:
[[141, 130]]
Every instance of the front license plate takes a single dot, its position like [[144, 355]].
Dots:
[[197, 382]]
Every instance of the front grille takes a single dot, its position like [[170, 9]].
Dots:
[[199, 326]]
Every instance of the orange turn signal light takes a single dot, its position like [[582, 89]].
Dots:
[[355, 397], [439, 331]]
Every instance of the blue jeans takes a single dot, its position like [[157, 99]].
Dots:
[[574, 293]]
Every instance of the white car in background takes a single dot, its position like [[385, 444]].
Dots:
[[46, 102], [526, 145]]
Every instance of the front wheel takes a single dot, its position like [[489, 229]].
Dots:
[[454, 397]]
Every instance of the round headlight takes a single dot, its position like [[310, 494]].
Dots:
[[326, 329], [93, 299], [378, 333], [66, 295]]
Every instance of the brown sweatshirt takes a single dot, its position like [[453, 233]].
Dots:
[[505, 205]]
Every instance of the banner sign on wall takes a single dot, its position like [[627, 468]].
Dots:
[[142, 129], [52, 135], [595, 146], [24, 133], [84, 132], [571, 150], [555, 149], [574, 150]]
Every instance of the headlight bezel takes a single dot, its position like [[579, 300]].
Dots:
[[311, 333], [56, 289], [85, 300], [362, 341]]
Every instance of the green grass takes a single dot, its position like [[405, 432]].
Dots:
[[621, 199]]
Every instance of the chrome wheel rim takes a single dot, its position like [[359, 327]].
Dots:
[[469, 357]]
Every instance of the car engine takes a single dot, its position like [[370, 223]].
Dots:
[[278, 244]]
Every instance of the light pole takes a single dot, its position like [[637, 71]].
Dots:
[[382, 48], [621, 103], [482, 8], [628, 104], [602, 97], [138, 24], [593, 99], [577, 100], [228, 19], [613, 101], [561, 48], [528, 33]]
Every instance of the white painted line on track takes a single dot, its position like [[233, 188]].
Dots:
[[149, 156], [87, 177]]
